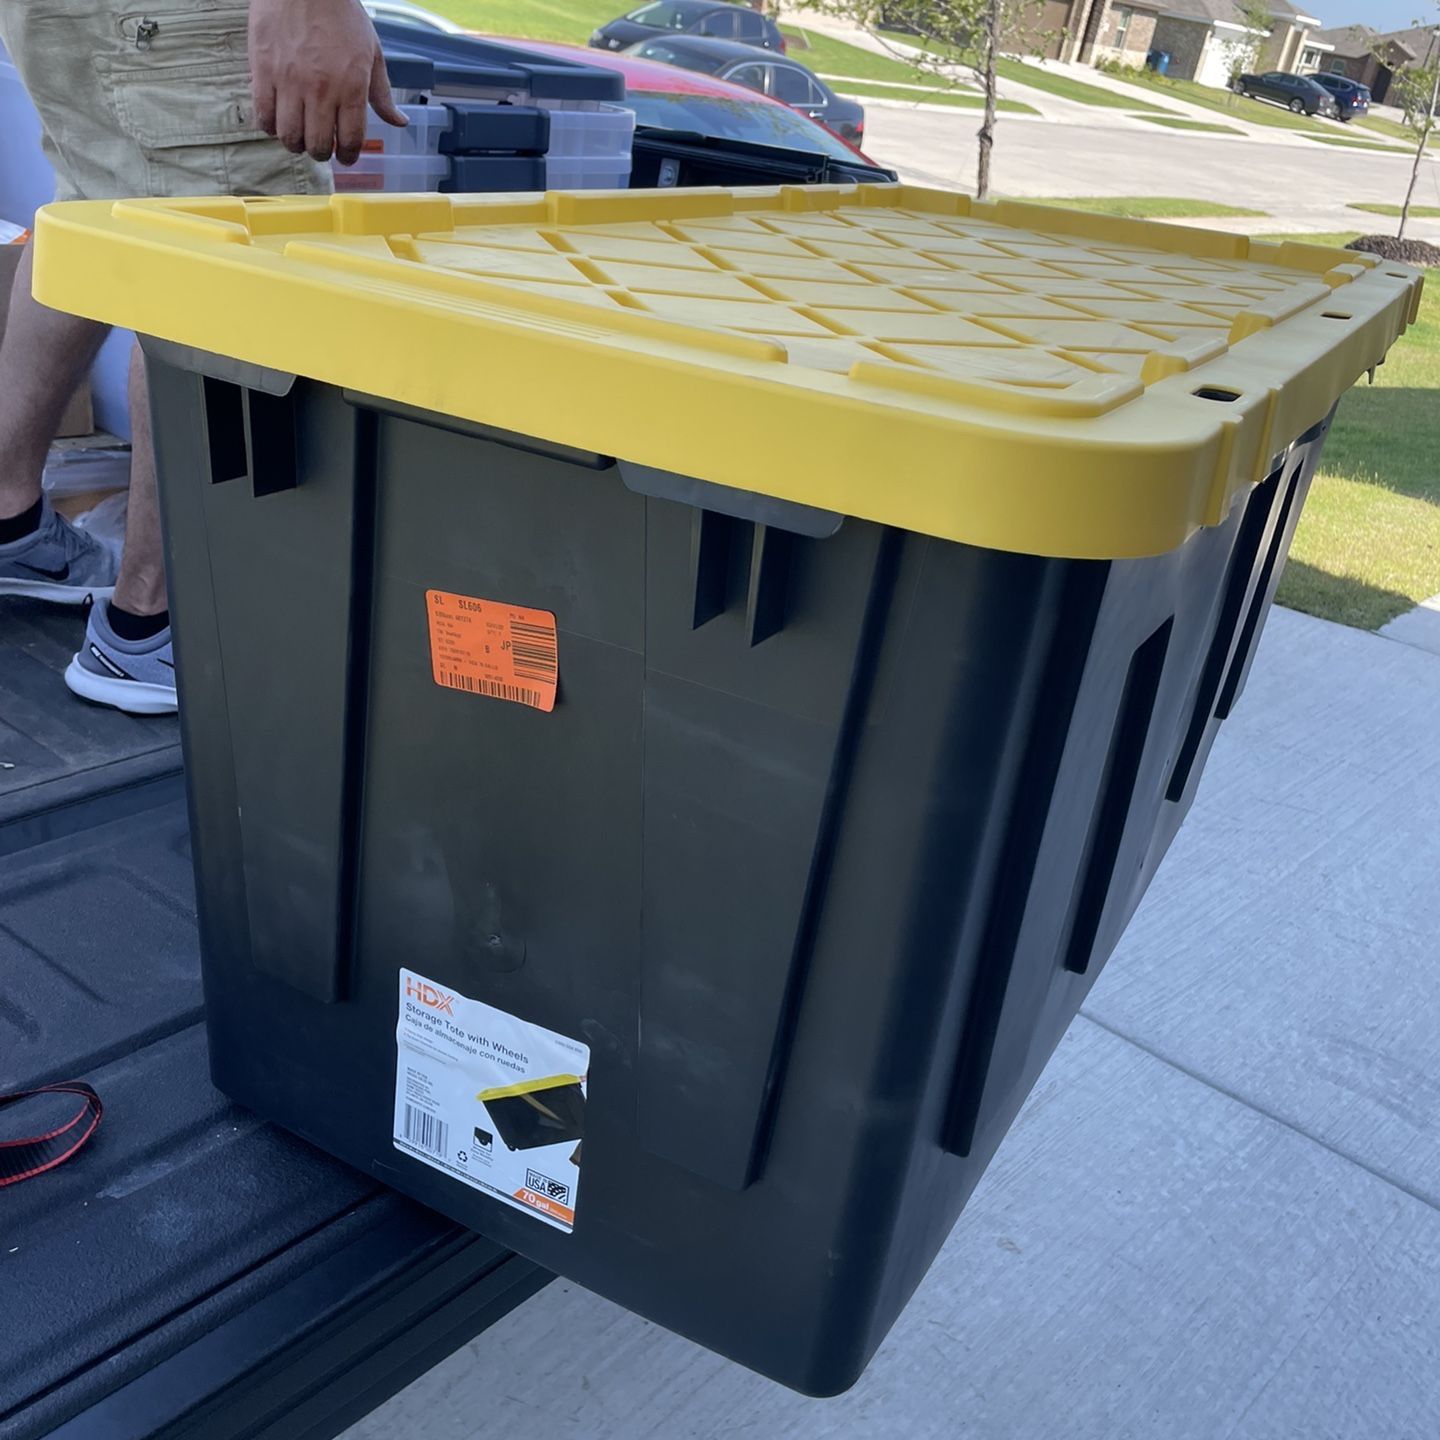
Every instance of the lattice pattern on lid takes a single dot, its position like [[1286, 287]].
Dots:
[[957, 295]]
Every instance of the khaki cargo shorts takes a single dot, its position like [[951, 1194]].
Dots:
[[152, 101]]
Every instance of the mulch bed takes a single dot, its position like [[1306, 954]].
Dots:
[[1407, 252]]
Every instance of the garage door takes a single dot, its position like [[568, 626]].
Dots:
[[1215, 63]]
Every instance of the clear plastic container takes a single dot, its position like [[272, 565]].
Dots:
[[606, 130], [587, 172], [86, 465], [420, 137], [403, 173]]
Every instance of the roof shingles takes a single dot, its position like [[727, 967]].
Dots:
[[1224, 11]]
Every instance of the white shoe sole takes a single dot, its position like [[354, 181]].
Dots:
[[135, 697], [55, 592]]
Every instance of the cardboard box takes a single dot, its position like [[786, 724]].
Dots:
[[78, 418]]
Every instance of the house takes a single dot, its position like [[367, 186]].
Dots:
[[1203, 37], [1207, 40], [1365, 55], [1087, 31]]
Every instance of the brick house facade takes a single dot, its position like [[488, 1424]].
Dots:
[[1206, 39], [1126, 34], [1109, 30], [1184, 41], [1202, 37]]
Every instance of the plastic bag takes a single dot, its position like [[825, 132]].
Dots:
[[83, 466], [106, 522]]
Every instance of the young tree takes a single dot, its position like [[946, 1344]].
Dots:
[[952, 39], [1417, 90], [1257, 18]]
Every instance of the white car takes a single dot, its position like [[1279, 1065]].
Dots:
[[412, 15]]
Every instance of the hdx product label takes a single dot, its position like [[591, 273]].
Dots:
[[492, 1100]]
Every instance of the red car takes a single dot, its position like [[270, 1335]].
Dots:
[[666, 97]]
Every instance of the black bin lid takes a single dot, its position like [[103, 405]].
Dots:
[[463, 61]]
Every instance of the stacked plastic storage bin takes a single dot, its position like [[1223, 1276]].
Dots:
[[487, 117]]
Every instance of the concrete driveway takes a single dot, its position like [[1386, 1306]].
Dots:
[[1218, 1217]]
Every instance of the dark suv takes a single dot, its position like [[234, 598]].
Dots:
[[1351, 98], [1297, 92], [690, 17]]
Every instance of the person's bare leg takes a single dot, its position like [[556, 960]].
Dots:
[[140, 588], [42, 359]]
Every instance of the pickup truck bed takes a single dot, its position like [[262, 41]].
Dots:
[[192, 1272]]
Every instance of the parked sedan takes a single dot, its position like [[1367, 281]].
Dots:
[[785, 80], [691, 17], [667, 99], [1297, 92], [1351, 98]]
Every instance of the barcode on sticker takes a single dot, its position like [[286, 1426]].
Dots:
[[534, 649], [426, 1131], [496, 689], [494, 648]]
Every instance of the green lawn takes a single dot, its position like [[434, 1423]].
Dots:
[[1062, 86], [827, 56], [531, 19], [1256, 112], [1340, 142], [1179, 122], [1381, 126], [1037, 78], [962, 99], [1153, 207], [1417, 212], [1337, 238], [1368, 546]]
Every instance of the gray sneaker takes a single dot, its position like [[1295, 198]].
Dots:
[[59, 563], [137, 676]]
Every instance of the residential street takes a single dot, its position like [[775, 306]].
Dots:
[[1302, 184]]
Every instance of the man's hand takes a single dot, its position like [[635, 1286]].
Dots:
[[313, 65]]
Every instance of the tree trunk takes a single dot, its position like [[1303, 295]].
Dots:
[[1429, 124], [991, 44]]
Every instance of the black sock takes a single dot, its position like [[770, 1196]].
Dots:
[[129, 626], [27, 522]]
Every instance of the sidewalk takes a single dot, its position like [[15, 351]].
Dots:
[[1219, 1214]]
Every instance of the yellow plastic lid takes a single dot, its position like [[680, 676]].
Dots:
[[1011, 375]]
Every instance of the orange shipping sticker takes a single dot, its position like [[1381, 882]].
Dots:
[[489, 648]]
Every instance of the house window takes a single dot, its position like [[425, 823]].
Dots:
[[1123, 16], [1337, 67]]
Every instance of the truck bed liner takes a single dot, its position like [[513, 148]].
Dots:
[[193, 1271]]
